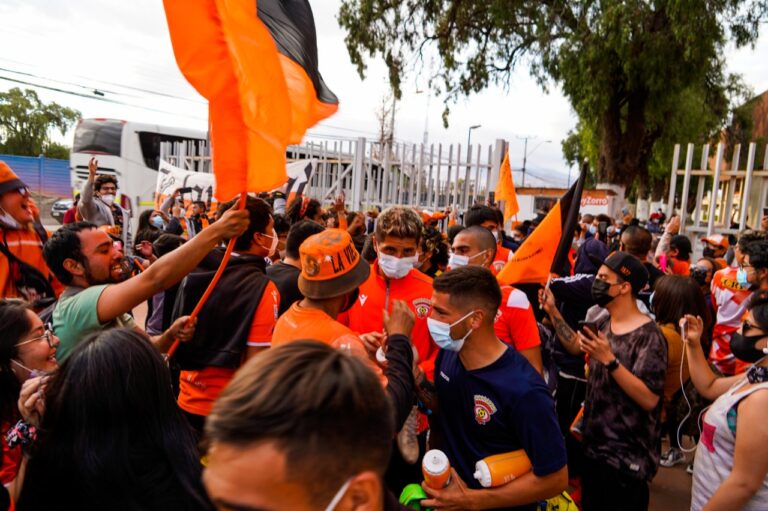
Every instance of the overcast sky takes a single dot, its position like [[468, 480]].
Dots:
[[123, 49]]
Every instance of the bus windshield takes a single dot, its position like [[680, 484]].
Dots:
[[98, 136]]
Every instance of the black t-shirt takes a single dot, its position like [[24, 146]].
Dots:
[[653, 274], [617, 430], [286, 278]]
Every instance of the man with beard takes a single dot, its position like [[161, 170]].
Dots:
[[85, 260]]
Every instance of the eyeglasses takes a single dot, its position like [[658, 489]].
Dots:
[[47, 335]]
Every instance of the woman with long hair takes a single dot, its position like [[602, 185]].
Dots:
[[731, 470], [674, 297], [304, 207], [112, 436], [27, 348]]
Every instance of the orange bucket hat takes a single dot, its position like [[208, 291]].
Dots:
[[8, 179], [331, 266]]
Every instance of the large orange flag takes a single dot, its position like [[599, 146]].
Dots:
[[505, 190], [257, 66], [545, 251]]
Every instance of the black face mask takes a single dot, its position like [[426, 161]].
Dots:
[[351, 299], [600, 292], [700, 276], [743, 346], [709, 252]]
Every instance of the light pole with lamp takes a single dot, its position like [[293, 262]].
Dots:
[[525, 152]]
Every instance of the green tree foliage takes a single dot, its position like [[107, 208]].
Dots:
[[26, 124], [627, 67]]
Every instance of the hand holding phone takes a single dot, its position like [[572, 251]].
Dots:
[[591, 326]]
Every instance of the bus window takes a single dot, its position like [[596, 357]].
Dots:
[[98, 136], [150, 146]]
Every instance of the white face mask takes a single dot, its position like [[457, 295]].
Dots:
[[273, 246], [339, 495], [456, 260], [397, 267], [441, 333], [495, 235], [107, 199]]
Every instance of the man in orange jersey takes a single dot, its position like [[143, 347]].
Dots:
[[485, 216], [515, 323], [331, 273], [716, 246], [393, 276], [237, 320], [23, 272], [730, 297]]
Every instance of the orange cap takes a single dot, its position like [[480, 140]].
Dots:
[[330, 265], [8, 179], [718, 240]]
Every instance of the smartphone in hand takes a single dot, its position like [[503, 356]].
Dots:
[[588, 325]]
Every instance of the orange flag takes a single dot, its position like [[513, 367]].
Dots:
[[545, 251], [505, 190], [257, 66]]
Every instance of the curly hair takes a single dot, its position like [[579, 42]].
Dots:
[[399, 222]]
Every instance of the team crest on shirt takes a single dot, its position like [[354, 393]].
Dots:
[[498, 265], [363, 299], [484, 408], [422, 306]]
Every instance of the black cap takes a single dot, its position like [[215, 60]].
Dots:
[[628, 267]]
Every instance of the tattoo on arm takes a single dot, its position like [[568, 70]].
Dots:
[[426, 392], [563, 331]]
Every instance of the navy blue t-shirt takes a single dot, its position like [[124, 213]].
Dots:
[[499, 408]]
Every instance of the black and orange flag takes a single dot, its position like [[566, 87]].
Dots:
[[257, 64], [545, 251]]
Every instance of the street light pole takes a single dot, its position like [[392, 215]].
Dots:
[[469, 134], [525, 152]]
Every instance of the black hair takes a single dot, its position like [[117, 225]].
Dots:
[[260, 213], [62, 245], [317, 405], [478, 214], [485, 239], [201, 204], [758, 254], [166, 243], [112, 436], [103, 179], [369, 251], [758, 305], [144, 222], [638, 241], [677, 295], [749, 236], [682, 244], [303, 207], [471, 286], [16, 325], [453, 231], [432, 240], [299, 232], [282, 225]]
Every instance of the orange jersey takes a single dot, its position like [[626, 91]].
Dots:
[[503, 254], [377, 294], [681, 267], [515, 323], [302, 324], [25, 244], [199, 389], [730, 301]]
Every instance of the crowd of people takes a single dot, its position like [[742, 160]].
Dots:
[[337, 347]]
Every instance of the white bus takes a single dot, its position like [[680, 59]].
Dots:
[[131, 152]]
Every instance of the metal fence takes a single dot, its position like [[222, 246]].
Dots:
[[370, 173], [43, 176], [729, 195]]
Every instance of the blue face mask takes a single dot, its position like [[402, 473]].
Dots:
[[592, 229], [158, 222], [441, 333], [741, 277]]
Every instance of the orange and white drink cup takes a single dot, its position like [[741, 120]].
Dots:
[[500, 469], [436, 469]]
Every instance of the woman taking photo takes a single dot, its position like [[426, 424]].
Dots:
[[112, 436], [27, 348], [731, 470], [674, 297]]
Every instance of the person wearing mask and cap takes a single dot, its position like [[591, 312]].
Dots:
[[237, 321], [23, 271], [97, 203], [627, 368], [716, 246]]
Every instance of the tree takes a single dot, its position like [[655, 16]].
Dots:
[[26, 124], [624, 66]]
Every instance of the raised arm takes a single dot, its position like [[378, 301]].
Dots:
[[707, 383], [169, 269], [87, 205], [565, 334]]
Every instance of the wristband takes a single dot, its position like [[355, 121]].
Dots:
[[22, 434], [612, 365]]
